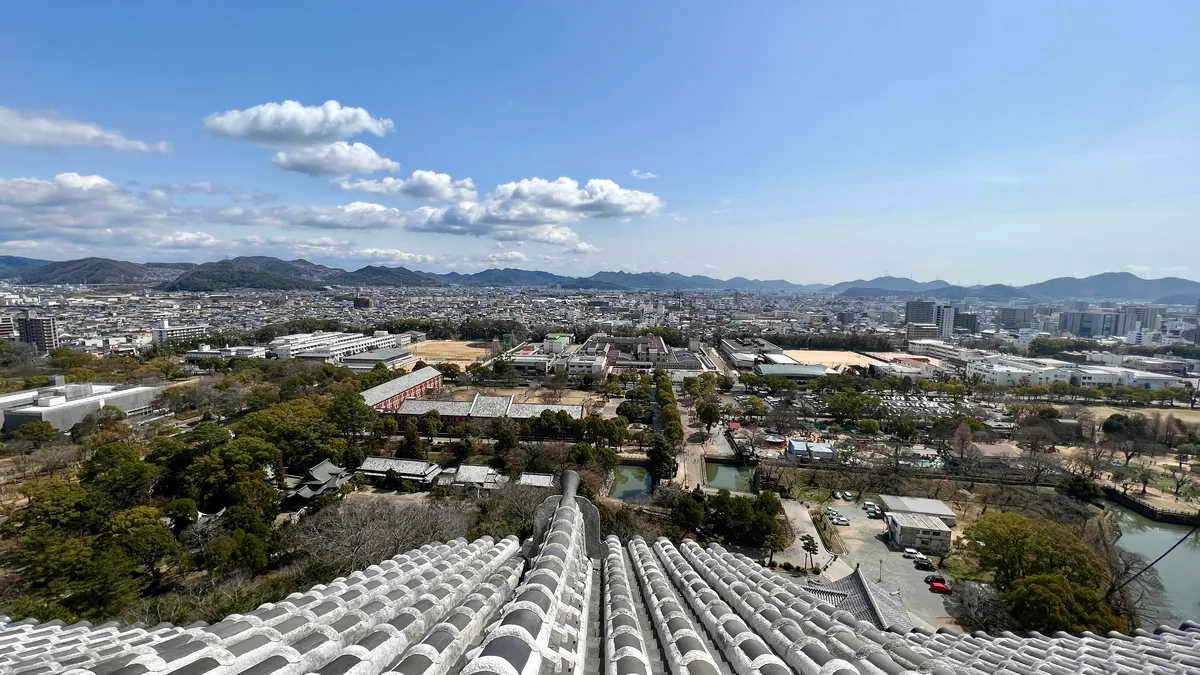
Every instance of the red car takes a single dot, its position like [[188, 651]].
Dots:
[[937, 587]]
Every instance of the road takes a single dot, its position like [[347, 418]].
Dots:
[[802, 524]]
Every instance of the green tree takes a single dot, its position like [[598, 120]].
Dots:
[[809, 544], [115, 476], [351, 415], [107, 585], [756, 407], [687, 514], [1013, 546], [38, 433], [414, 445], [212, 477], [182, 512], [661, 462], [868, 426], [773, 542], [431, 424], [140, 533], [299, 429], [709, 414], [1052, 602]]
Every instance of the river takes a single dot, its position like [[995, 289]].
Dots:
[[1177, 571]]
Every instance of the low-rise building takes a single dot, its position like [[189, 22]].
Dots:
[[482, 409], [416, 471], [919, 506], [65, 406], [165, 332], [392, 358], [914, 530]]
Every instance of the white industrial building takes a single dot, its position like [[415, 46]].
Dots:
[[331, 346]]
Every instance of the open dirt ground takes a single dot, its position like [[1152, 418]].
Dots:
[[439, 351]]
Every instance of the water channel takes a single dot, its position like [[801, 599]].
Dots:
[[1177, 571], [631, 484], [734, 478]]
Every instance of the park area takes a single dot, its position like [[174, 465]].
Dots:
[[452, 351]]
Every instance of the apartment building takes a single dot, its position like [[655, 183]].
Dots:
[[165, 332], [921, 331], [39, 331], [919, 311], [943, 318], [329, 346]]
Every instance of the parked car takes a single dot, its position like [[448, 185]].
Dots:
[[920, 556], [911, 553], [839, 520], [924, 564], [935, 579], [870, 506], [939, 588]]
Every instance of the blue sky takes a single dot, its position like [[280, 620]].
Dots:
[[975, 142]]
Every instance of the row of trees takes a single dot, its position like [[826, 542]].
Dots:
[[725, 519]]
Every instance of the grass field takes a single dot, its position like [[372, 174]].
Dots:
[[441, 351]]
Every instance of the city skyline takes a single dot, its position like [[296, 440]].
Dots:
[[815, 145]]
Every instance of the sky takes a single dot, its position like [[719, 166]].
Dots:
[[980, 142]]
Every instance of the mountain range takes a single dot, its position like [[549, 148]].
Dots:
[[269, 273]]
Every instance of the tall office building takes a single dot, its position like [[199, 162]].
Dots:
[[8, 328], [1014, 318], [967, 321], [39, 331], [943, 318], [1149, 316], [918, 311]]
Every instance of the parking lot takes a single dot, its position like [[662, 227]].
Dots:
[[866, 545]]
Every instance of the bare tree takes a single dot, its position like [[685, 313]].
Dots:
[[1037, 464], [1181, 477], [54, 457], [351, 535], [978, 606], [1090, 461], [963, 440]]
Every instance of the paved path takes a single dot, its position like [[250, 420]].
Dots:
[[802, 524]]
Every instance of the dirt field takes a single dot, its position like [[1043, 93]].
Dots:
[[440, 351], [522, 394], [1102, 412], [828, 358]]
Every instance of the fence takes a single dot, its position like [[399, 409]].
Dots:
[[1152, 512]]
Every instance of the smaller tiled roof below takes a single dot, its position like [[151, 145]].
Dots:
[[407, 468], [471, 474], [420, 406], [521, 411], [861, 597], [530, 479], [401, 384], [490, 406]]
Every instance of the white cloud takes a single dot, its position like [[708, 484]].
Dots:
[[293, 124], [255, 198], [187, 240], [711, 267], [642, 175], [391, 255], [50, 130], [18, 243], [507, 256], [422, 185], [338, 158], [198, 188]]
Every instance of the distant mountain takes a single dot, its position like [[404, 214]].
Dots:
[[888, 284], [184, 266], [591, 285], [505, 277], [658, 281], [1112, 286], [300, 269], [993, 292], [15, 265], [1180, 299], [86, 271], [227, 275], [378, 275]]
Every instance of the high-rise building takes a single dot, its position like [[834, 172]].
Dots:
[[1149, 316], [1097, 324], [967, 321], [1015, 318], [918, 311], [8, 327], [39, 331], [943, 318], [165, 332]]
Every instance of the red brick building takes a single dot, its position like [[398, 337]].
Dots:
[[389, 395]]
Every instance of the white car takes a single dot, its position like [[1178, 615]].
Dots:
[[911, 553], [920, 556], [840, 521]]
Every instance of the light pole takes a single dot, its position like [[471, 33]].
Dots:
[[880, 570]]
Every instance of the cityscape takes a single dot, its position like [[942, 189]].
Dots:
[[860, 377]]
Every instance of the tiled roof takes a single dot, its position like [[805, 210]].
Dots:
[[490, 406], [420, 406], [383, 392], [637, 608]]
